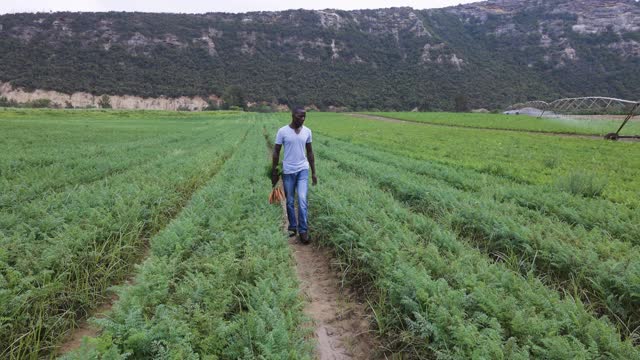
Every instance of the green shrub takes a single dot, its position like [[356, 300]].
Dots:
[[212, 106], [551, 163], [38, 103], [583, 183], [105, 102], [261, 108], [4, 102]]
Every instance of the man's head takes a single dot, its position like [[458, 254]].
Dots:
[[298, 115]]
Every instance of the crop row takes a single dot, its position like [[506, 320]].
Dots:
[[78, 133], [513, 122], [574, 209], [47, 140], [52, 210], [18, 187], [60, 253], [434, 295], [593, 266], [218, 282], [85, 151], [521, 158]]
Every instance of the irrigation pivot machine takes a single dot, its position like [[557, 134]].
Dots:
[[586, 106]]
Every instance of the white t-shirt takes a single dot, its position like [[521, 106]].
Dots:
[[295, 156]]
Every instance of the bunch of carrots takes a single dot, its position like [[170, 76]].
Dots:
[[276, 195]]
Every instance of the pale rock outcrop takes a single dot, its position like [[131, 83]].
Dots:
[[207, 38], [84, 100], [427, 51], [211, 46], [356, 60], [629, 48], [330, 19], [440, 54], [137, 40], [456, 61], [418, 29], [569, 54], [545, 41], [248, 42], [334, 50]]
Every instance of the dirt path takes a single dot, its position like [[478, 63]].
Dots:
[[580, 136], [340, 323]]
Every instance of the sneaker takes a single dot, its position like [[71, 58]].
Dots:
[[292, 233], [304, 238]]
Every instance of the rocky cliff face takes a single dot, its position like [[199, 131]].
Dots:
[[552, 22], [556, 25], [138, 37]]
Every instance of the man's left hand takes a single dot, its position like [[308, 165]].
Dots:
[[314, 180]]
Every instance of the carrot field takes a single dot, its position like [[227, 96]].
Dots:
[[464, 243], [86, 195], [579, 125]]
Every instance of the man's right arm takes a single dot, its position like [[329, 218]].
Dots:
[[274, 164]]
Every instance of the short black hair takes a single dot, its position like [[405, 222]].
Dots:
[[297, 109]]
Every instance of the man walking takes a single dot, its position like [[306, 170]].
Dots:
[[296, 138]]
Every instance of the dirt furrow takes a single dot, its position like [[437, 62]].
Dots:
[[340, 323]]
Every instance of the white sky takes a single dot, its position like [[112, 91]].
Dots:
[[201, 6]]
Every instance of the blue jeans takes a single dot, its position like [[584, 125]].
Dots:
[[296, 182]]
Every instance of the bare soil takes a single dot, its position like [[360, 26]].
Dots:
[[340, 323], [74, 339]]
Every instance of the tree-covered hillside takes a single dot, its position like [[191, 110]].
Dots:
[[486, 54]]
